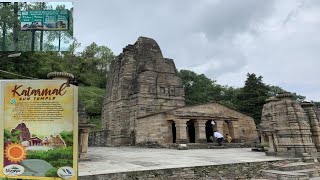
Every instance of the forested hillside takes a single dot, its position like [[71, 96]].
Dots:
[[90, 68]]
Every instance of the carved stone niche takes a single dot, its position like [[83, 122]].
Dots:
[[152, 90], [162, 90], [171, 91]]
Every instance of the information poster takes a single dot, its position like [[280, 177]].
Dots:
[[40, 129]]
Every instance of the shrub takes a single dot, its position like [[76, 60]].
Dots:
[[57, 157], [52, 172], [67, 136]]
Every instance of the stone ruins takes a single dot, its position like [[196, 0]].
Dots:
[[290, 127], [145, 103]]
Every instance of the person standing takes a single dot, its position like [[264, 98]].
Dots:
[[218, 136]]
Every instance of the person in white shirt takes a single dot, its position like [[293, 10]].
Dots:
[[218, 136]]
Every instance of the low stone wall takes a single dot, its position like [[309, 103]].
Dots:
[[224, 171], [99, 138]]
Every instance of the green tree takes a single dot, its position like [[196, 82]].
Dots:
[[274, 90], [92, 97], [198, 88], [229, 98], [16, 27], [252, 96], [67, 136], [92, 66], [6, 22], [13, 137]]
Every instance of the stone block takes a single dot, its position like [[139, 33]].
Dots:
[[183, 147]]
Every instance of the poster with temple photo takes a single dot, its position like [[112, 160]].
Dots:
[[40, 129]]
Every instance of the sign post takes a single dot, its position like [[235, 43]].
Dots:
[[32, 40], [39, 129], [44, 20]]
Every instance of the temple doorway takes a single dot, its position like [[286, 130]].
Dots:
[[209, 130], [191, 131], [173, 132]]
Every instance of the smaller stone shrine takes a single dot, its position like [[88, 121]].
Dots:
[[289, 127], [84, 130]]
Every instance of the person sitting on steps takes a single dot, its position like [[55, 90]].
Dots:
[[228, 138]]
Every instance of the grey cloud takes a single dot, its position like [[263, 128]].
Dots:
[[232, 17]]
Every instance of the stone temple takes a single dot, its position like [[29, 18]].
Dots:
[[290, 127], [145, 103]]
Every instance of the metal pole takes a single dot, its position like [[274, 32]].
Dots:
[[59, 41], [41, 40], [32, 40]]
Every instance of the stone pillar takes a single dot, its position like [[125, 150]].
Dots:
[[271, 146], [181, 131], [84, 137], [235, 129], [170, 135], [200, 131], [219, 125]]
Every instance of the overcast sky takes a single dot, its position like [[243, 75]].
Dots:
[[224, 39]]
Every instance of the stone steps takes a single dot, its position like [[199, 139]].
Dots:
[[210, 145], [293, 166], [284, 175], [311, 172], [292, 171], [314, 178]]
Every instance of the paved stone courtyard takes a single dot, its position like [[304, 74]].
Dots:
[[106, 160]]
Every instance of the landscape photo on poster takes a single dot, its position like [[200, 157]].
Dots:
[[39, 128]]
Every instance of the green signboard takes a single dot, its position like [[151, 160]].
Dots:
[[48, 20]]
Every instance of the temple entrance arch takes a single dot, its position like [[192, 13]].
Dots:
[[191, 131], [209, 130]]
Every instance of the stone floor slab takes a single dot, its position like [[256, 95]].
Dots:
[[123, 159]]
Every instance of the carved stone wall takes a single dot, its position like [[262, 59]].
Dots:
[[141, 82], [313, 119]]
